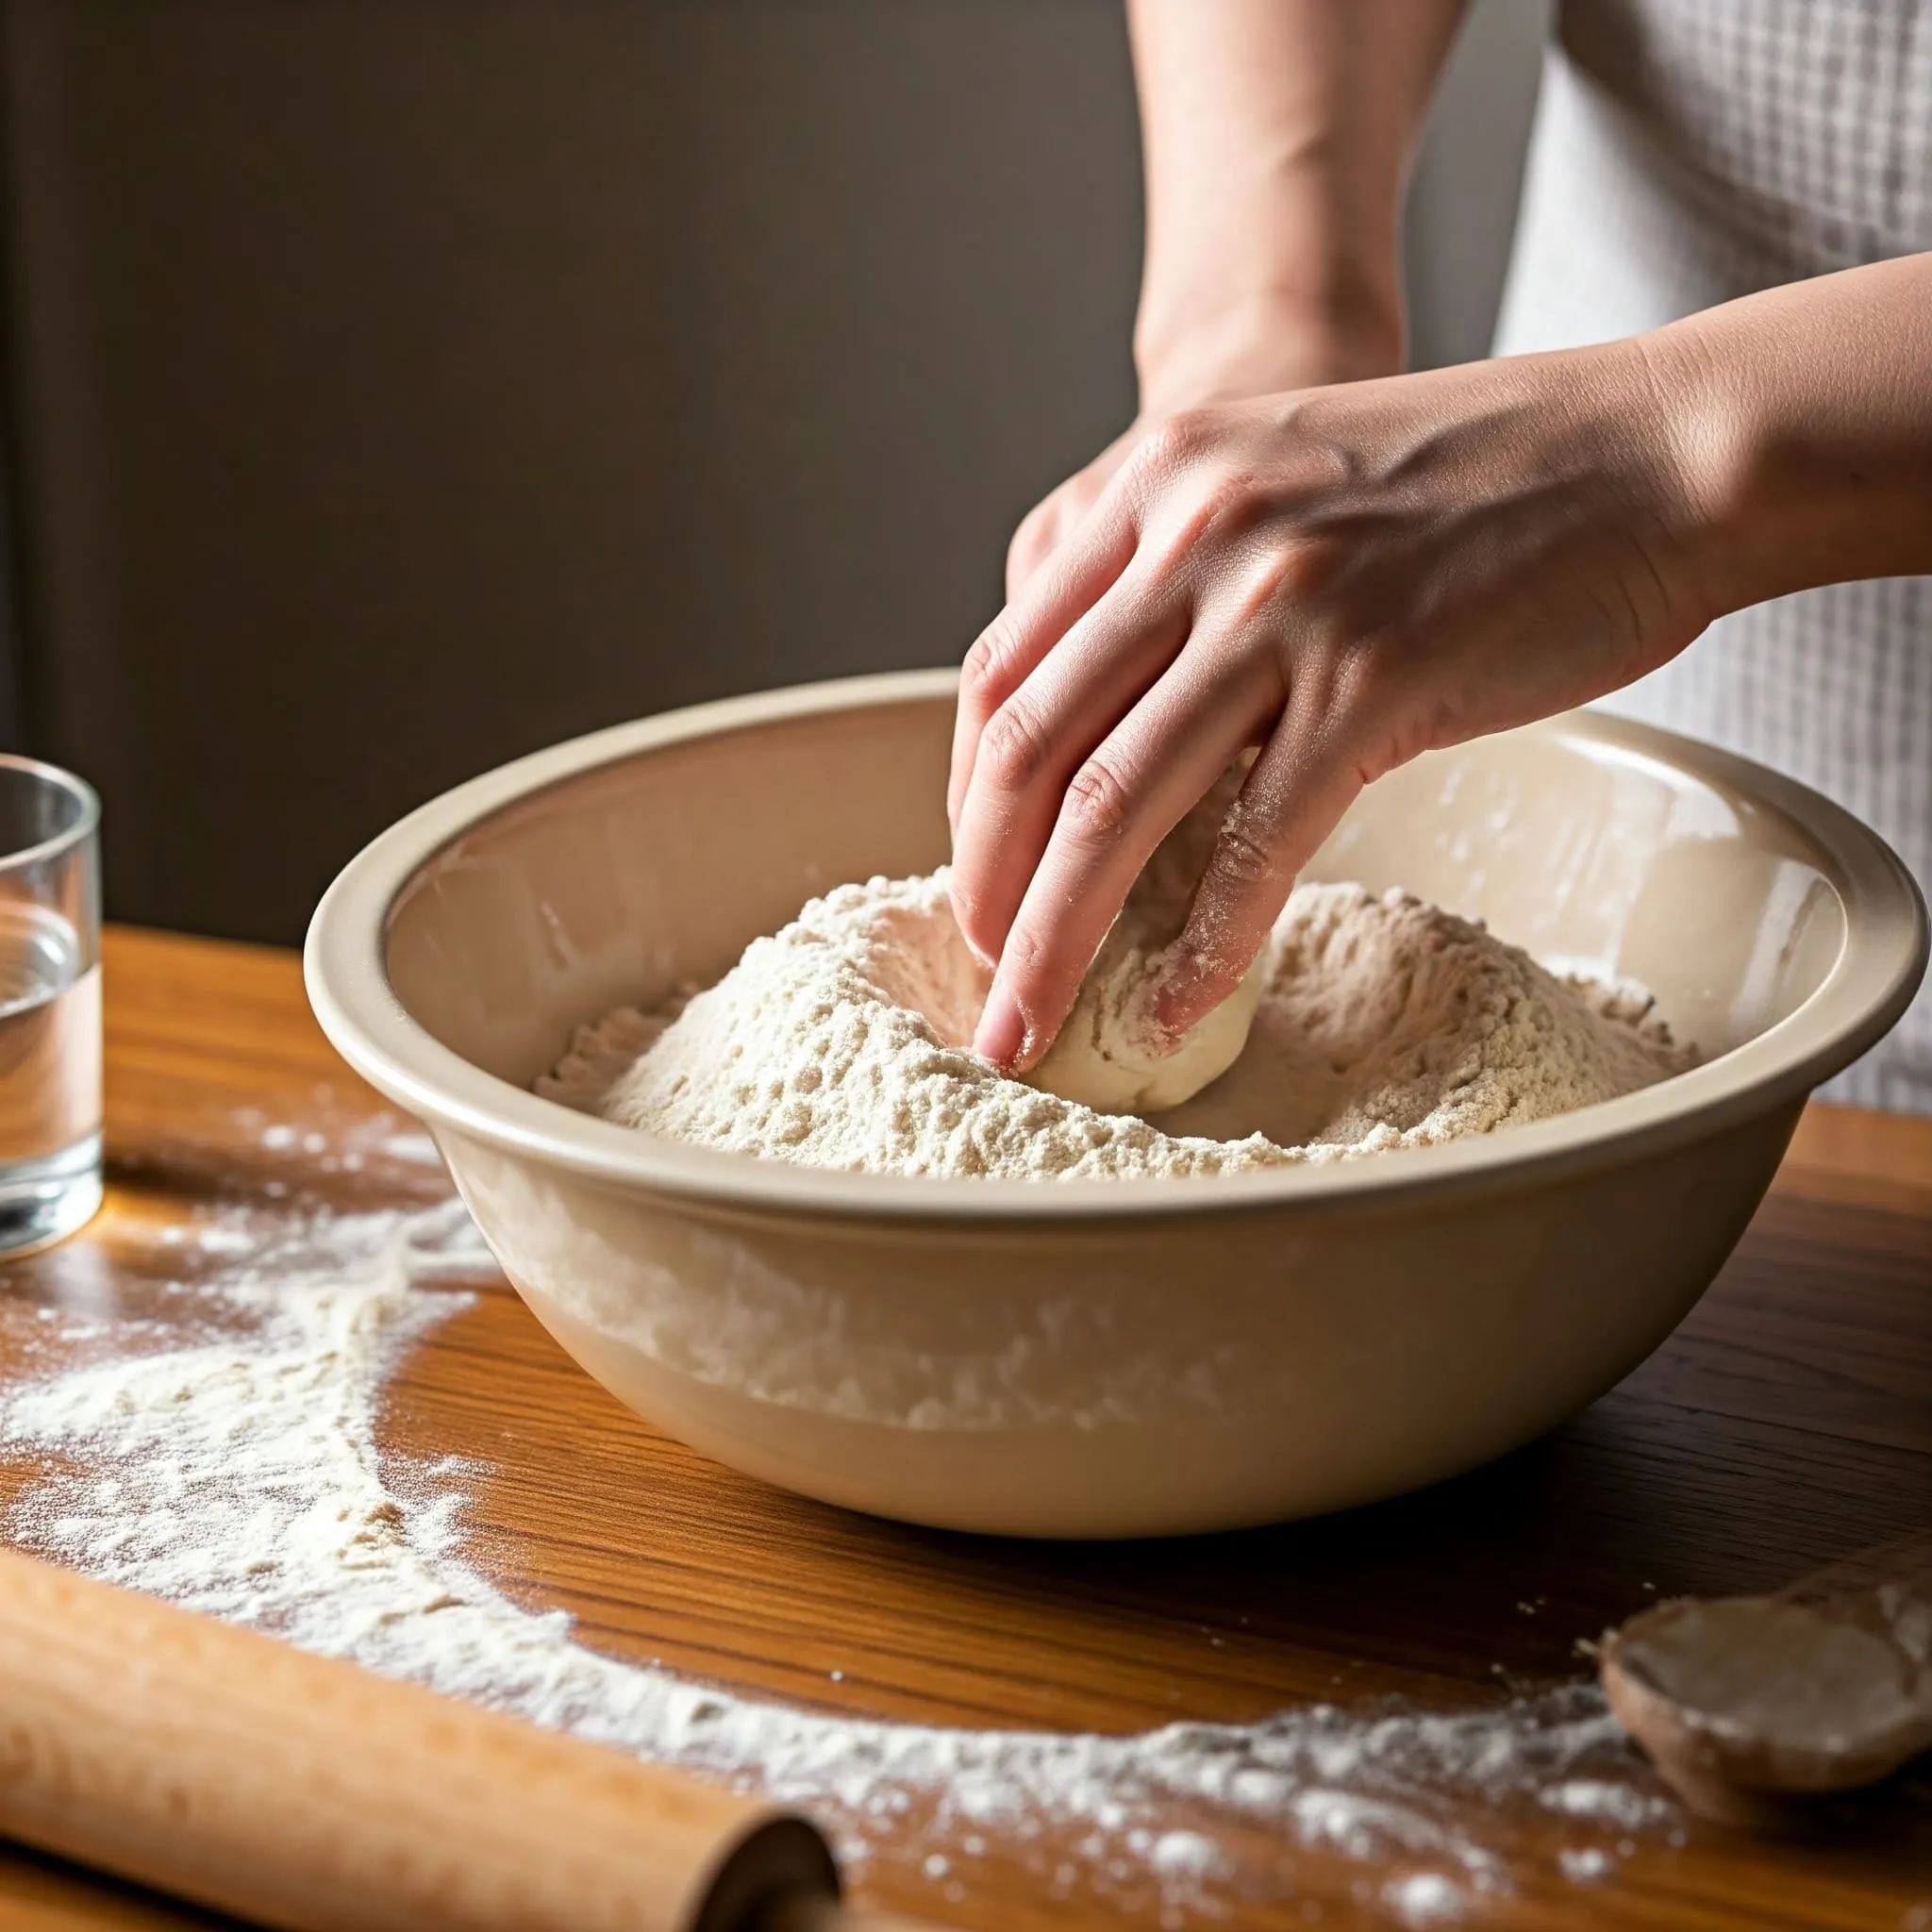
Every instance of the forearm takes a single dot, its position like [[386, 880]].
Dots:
[[1803, 425], [1278, 136]]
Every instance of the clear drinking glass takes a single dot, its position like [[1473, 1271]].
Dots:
[[50, 1004]]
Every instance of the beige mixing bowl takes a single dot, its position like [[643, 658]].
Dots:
[[1102, 1359]]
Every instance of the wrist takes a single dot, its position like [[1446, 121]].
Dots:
[[1675, 423], [1795, 426], [1258, 342]]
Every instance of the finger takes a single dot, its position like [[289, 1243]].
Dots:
[[1308, 773], [1033, 543], [1127, 797], [1043, 529], [1080, 573], [1035, 743]]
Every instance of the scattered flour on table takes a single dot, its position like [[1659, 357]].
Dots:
[[840, 1041], [223, 1455]]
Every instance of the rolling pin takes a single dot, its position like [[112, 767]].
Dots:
[[238, 1771]]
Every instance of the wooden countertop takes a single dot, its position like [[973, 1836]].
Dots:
[[1787, 1422]]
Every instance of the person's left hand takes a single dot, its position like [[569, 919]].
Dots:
[[1344, 577]]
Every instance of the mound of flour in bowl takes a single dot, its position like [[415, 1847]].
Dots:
[[840, 1042]]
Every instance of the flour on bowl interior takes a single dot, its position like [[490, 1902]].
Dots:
[[842, 1042]]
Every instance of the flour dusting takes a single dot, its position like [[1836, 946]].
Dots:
[[223, 1455], [842, 1042]]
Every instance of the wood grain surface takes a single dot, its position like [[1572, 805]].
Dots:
[[1787, 1422]]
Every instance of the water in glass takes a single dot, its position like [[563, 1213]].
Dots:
[[50, 1077]]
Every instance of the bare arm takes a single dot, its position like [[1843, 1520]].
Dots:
[[1278, 136], [1802, 418]]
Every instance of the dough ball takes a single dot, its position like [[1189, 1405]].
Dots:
[[1101, 1057], [1104, 1054]]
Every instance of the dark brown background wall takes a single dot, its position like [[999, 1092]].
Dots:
[[399, 385]]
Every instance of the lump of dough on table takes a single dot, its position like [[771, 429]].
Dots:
[[1109, 1055]]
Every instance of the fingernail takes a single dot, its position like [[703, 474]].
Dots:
[[1002, 1029]]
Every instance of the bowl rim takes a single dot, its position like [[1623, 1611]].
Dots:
[[1880, 961]]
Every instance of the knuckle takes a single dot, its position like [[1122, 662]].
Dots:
[[1245, 857], [984, 668], [1023, 955], [1173, 442], [975, 671], [1225, 504], [1098, 804], [1043, 975], [1042, 518], [1342, 678], [1013, 746], [1039, 529], [1297, 591], [1210, 980], [1190, 431], [1378, 713], [1308, 568]]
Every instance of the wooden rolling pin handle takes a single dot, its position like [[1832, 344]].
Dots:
[[246, 1774]]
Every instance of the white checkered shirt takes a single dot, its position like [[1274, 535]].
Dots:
[[1688, 152]]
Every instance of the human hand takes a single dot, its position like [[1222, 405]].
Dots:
[[1342, 578]]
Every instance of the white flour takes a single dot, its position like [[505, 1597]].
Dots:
[[223, 1456], [840, 1042]]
